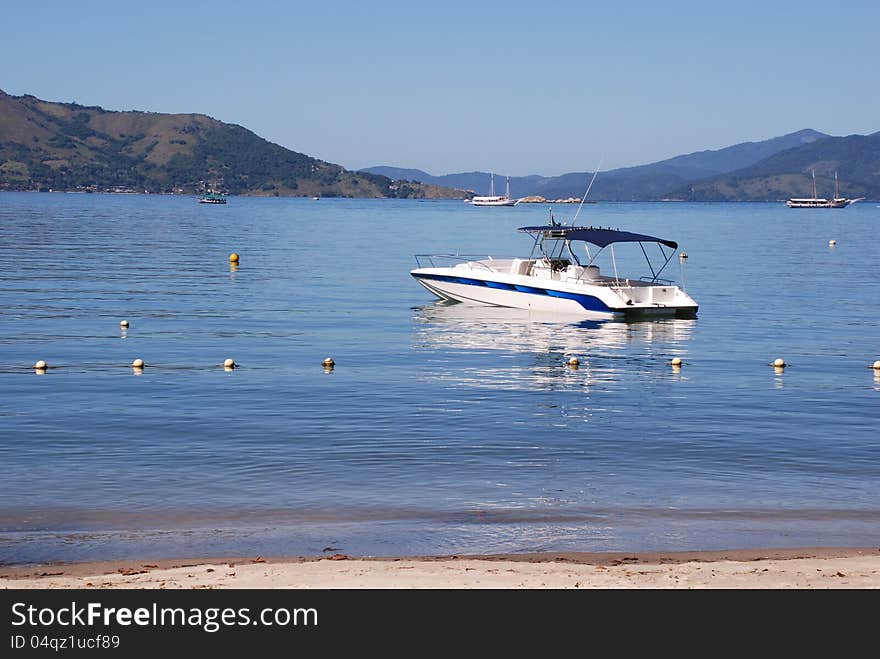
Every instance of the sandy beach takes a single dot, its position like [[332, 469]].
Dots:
[[805, 568]]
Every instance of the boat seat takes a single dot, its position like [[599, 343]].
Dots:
[[521, 266], [591, 273]]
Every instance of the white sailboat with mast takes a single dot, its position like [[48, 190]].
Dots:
[[820, 202], [495, 200]]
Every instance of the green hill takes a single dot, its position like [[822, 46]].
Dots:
[[66, 146], [855, 158]]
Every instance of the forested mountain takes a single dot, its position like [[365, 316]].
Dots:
[[773, 169], [855, 159], [66, 146]]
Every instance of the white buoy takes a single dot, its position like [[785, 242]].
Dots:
[[876, 365], [676, 361], [683, 255], [832, 242], [123, 323], [574, 362], [138, 363], [329, 363], [41, 365], [779, 362], [229, 363]]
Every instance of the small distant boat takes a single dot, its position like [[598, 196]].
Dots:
[[493, 199], [819, 202], [213, 198]]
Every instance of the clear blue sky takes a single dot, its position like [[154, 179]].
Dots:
[[511, 87]]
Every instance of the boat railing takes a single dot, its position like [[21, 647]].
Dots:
[[658, 280], [449, 260]]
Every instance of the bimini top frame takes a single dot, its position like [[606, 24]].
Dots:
[[560, 237]]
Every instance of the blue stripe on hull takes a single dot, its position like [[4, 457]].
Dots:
[[588, 302], [530, 289], [499, 285]]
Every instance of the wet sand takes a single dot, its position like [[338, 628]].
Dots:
[[800, 568]]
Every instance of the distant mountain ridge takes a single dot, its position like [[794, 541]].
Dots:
[[704, 175], [66, 146], [643, 181], [855, 159]]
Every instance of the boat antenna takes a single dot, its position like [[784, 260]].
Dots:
[[589, 187]]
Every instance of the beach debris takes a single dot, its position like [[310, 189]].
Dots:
[[127, 571], [233, 258], [337, 557], [210, 569], [258, 559], [839, 574], [123, 323], [150, 565]]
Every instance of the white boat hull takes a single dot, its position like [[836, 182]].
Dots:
[[555, 292], [476, 201]]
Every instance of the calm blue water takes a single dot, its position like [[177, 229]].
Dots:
[[442, 429]]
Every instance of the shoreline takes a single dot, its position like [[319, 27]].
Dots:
[[799, 567]]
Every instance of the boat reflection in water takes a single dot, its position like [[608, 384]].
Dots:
[[517, 349]]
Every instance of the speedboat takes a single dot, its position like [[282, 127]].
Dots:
[[213, 198], [553, 278]]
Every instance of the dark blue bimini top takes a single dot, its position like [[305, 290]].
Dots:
[[599, 237]]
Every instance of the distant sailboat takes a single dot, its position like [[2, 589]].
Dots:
[[820, 202], [493, 199]]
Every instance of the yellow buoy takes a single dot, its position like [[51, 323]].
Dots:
[[779, 362], [233, 258], [876, 365], [329, 363], [229, 363], [138, 363], [676, 361], [41, 365], [573, 361]]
